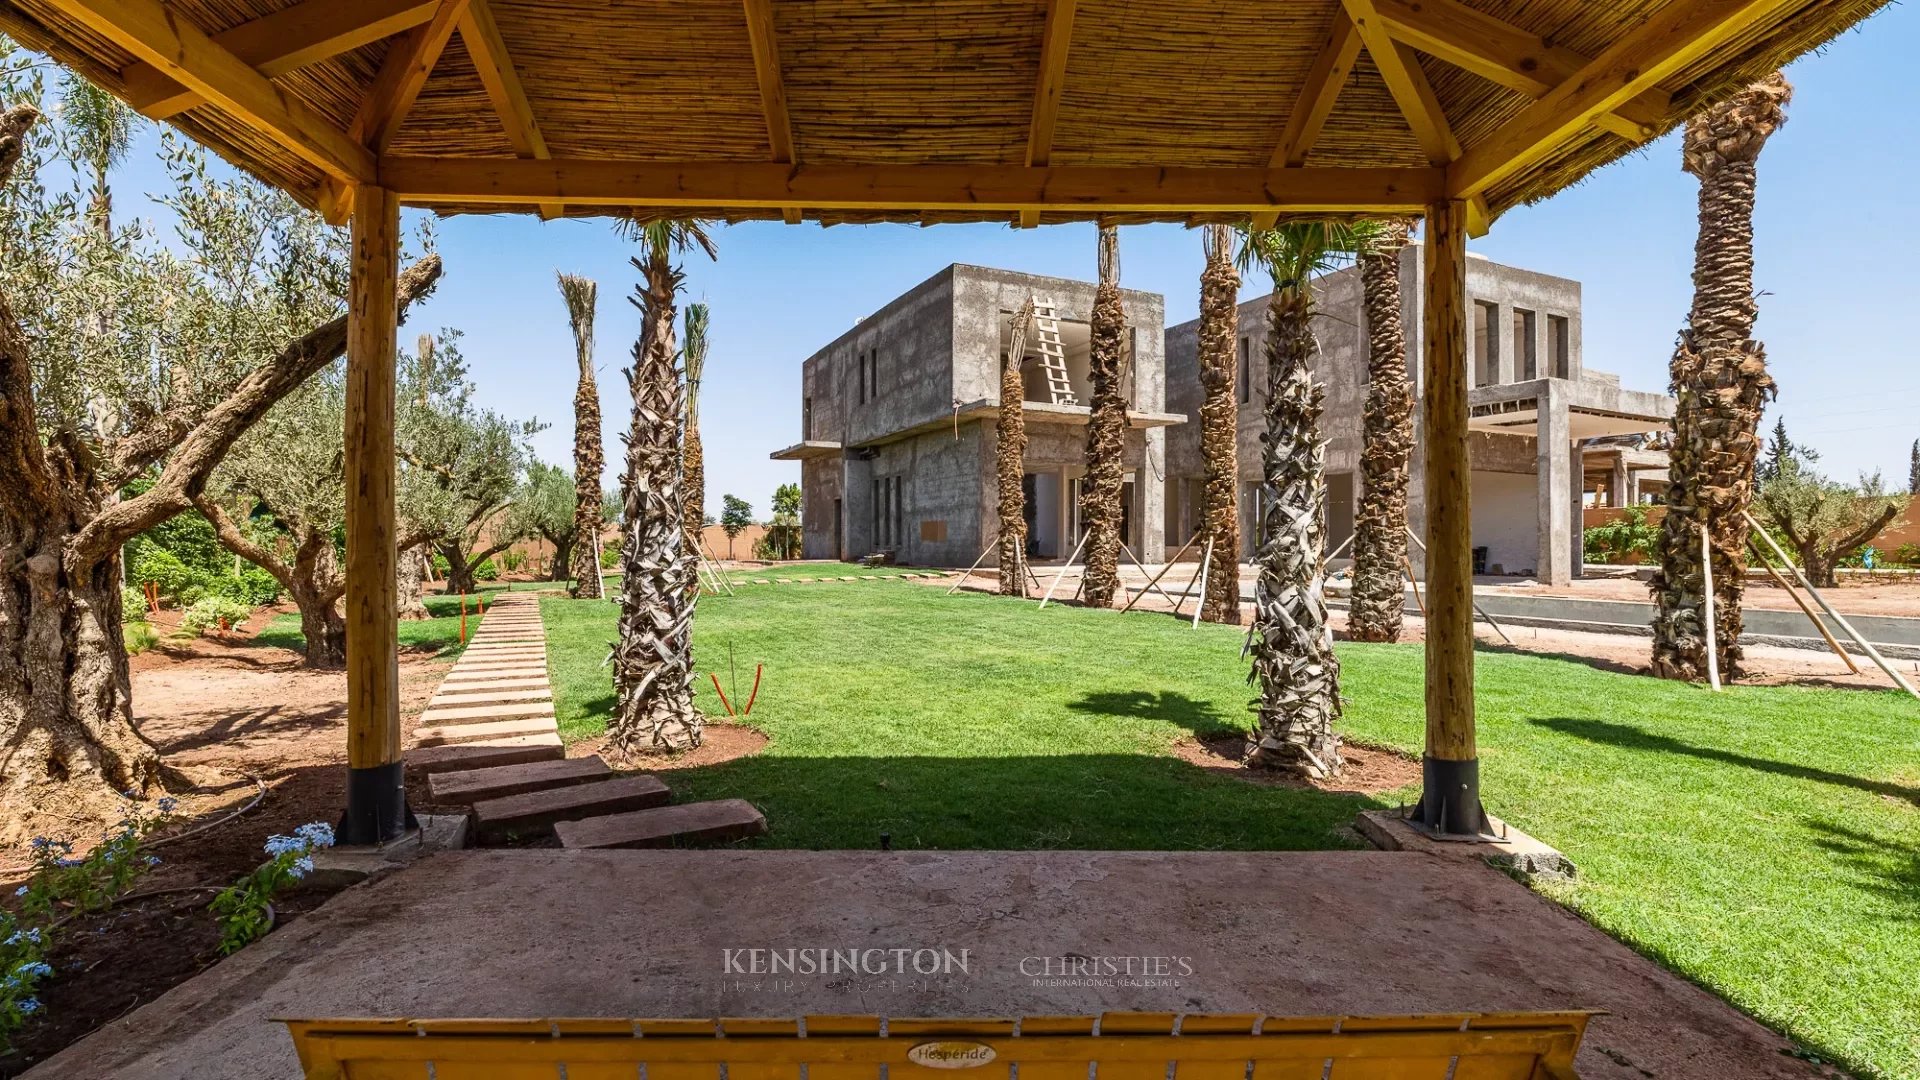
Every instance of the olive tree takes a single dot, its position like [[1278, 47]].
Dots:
[[123, 357]]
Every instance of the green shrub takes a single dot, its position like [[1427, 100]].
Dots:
[[440, 566], [139, 637], [253, 586], [1621, 539], [512, 560], [163, 568], [486, 571], [1907, 555], [207, 612], [610, 557], [133, 605]]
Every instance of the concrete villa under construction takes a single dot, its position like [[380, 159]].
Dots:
[[897, 419]]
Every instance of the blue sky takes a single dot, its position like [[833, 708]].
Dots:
[[1830, 314]]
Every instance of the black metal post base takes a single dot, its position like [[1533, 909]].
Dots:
[[377, 809], [1449, 803]]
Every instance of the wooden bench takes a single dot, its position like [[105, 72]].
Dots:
[[1128, 1046]]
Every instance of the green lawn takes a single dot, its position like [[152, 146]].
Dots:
[[1764, 841], [441, 633], [793, 571]]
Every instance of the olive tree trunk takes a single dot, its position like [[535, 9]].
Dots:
[[314, 581], [653, 658], [1374, 612], [1719, 376], [1220, 425], [1293, 661], [413, 576], [1101, 489]]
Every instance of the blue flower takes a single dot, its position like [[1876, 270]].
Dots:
[[282, 845], [63, 863], [41, 843], [316, 834], [29, 1006], [38, 969], [24, 935], [301, 867], [21, 891], [168, 804]]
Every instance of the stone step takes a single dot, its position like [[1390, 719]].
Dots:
[[479, 683], [487, 753], [482, 697], [702, 822], [484, 666], [501, 711], [477, 785], [476, 674], [493, 729], [497, 652], [537, 813]]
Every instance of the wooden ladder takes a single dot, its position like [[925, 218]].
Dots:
[[1053, 355]]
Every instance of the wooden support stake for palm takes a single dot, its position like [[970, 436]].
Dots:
[[984, 552], [1188, 591], [1163, 572], [1477, 609], [1805, 608], [1063, 570], [1206, 560], [1152, 582], [1859, 639]]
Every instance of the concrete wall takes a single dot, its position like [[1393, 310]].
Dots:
[[1342, 368], [913, 344], [1504, 520]]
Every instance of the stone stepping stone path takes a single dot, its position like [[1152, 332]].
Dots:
[[918, 575], [488, 740]]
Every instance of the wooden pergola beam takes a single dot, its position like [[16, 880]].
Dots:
[[154, 34], [1507, 55], [1408, 84], [765, 43], [1675, 36], [284, 41], [905, 188], [410, 60], [502, 83], [1329, 73], [1055, 42]]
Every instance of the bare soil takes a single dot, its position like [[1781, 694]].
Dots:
[[239, 722], [1364, 770], [720, 742], [1880, 595]]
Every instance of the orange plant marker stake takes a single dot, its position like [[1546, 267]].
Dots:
[[463, 618], [722, 693], [755, 692]]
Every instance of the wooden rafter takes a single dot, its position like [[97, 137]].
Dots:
[[765, 44], [410, 60], [1400, 69], [1317, 95], [1054, 45], [1675, 36], [287, 40], [502, 82], [1505, 54], [983, 188], [156, 35]]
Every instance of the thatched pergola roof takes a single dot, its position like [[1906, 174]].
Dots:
[[947, 110]]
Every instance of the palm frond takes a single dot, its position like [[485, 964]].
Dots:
[[1296, 252], [581, 295], [694, 352], [664, 237]]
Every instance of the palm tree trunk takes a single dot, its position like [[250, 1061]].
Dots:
[[1010, 458], [653, 660], [1386, 449], [1106, 430], [1293, 661], [693, 514], [1719, 374], [589, 457], [1220, 424]]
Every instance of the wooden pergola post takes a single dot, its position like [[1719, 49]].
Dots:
[[376, 788], [1450, 768]]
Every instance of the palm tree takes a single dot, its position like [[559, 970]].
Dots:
[[1293, 660], [103, 130], [1720, 377], [1010, 458], [694, 462], [1106, 430], [1220, 424], [653, 659], [589, 457], [1386, 448]]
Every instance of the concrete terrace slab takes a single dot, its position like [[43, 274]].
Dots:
[[537, 933]]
